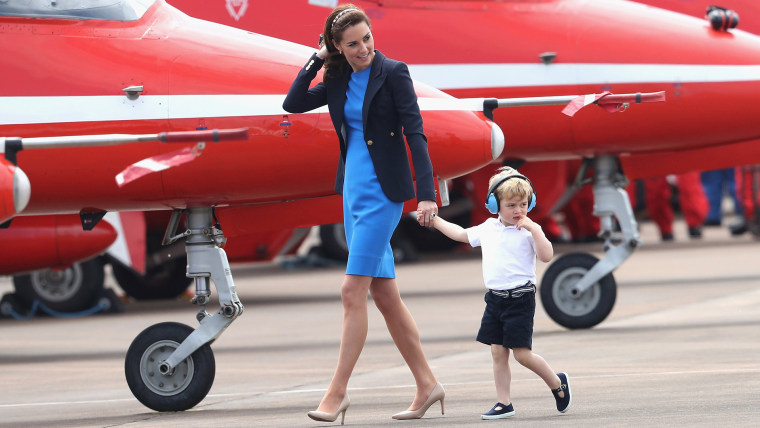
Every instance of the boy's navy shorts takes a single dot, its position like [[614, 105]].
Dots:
[[508, 321]]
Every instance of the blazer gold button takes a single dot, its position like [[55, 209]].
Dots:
[[369, 143], [392, 134]]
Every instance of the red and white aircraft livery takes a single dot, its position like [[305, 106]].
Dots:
[[93, 92], [161, 272], [518, 48], [141, 67]]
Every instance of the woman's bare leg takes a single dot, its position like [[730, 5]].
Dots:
[[354, 334], [405, 335]]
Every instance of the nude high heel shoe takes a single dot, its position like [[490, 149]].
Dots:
[[437, 394], [331, 417]]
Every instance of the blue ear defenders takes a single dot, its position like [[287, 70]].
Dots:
[[492, 202]]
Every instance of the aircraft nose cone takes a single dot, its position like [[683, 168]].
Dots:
[[497, 141], [22, 190]]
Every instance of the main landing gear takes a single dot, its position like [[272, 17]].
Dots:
[[578, 290], [170, 366]]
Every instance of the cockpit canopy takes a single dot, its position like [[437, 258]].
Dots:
[[107, 10]]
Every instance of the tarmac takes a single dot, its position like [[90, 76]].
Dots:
[[680, 348]]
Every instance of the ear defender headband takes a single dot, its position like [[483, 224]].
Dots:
[[492, 202]]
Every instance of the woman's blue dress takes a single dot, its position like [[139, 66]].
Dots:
[[368, 215]]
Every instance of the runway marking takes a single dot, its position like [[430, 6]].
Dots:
[[575, 377], [65, 403], [301, 391]]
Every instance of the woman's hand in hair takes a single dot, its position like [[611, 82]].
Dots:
[[323, 53]]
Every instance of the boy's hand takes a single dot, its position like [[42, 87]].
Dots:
[[526, 223], [544, 249]]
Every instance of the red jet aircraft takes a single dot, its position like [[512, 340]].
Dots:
[[77, 79], [515, 48], [158, 274], [655, 142], [144, 67]]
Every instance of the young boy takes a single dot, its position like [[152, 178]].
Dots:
[[510, 245]]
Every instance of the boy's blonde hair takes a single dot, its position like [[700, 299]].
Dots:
[[511, 187]]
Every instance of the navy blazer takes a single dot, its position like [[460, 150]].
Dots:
[[390, 111]]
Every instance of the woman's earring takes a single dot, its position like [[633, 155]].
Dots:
[[341, 52]]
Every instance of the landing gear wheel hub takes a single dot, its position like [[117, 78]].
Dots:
[[57, 285], [567, 301], [171, 383]]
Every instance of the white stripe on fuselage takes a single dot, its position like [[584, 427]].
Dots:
[[41, 110], [31, 110], [472, 76]]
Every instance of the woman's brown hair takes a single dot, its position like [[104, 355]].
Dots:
[[342, 17]]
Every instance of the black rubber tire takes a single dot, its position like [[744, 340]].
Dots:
[[586, 310], [190, 381], [333, 237], [404, 251], [168, 281], [73, 289]]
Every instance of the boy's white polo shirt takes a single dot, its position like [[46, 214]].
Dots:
[[509, 254]]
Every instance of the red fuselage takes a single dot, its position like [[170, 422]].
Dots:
[[494, 49], [66, 77], [517, 48]]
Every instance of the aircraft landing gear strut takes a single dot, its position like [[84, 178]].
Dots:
[[170, 366], [578, 290]]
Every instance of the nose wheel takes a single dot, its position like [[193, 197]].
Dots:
[[164, 390], [578, 290], [570, 307], [170, 366]]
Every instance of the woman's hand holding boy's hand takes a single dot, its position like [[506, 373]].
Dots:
[[426, 212], [420, 217]]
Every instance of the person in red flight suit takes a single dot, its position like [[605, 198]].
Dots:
[[691, 198], [579, 216]]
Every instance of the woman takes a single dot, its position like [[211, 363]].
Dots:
[[371, 101]]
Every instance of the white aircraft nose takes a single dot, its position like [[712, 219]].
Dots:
[[22, 190], [497, 141]]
